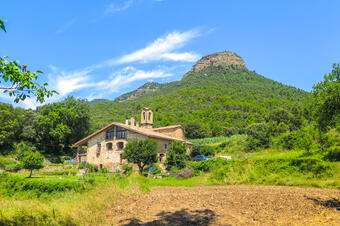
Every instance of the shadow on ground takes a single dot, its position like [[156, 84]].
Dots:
[[182, 217], [331, 203]]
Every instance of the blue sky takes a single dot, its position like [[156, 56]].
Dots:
[[101, 49]]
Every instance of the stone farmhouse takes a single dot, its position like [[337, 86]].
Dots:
[[105, 146]]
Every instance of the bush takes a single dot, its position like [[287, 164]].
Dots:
[[91, 168], [313, 165], [14, 184], [176, 155], [299, 140], [156, 169], [13, 167], [208, 165], [104, 170], [202, 150], [4, 160], [127, 170], [333, 154]]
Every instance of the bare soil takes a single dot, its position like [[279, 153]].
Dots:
[[228, 205]]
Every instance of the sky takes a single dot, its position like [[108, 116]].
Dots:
[[102, 49]]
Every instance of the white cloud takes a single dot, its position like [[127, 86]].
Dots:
[[66, 83], [128, 75], [114, 7], [162, 49]]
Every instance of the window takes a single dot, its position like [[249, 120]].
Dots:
[[109, 146], [165, 146], [120, 146], [99, 147], [110, 134], [121, 133]]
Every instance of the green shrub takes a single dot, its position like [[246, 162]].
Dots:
[[13, 167], [333, 154], [15, 184], [156, 169], [300, 140], [127, 170], [4, 160], [309, 164], [176, 155], [104, 170], [90, 167], [202, 150], [208, 165]]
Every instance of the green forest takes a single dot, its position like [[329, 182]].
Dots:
[[216, 101]]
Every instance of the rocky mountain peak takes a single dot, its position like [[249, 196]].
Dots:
[[222, 58]]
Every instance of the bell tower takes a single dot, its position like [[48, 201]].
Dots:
[[147, 118]]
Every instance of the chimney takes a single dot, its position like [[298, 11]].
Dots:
[[132, 121]]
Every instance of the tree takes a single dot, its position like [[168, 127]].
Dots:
[[194, 130], [9, 127], [202, 150], [62, 124], [32, 160], [176, 155], [19, 82], [141, 152], [327, 100], [259, 135]]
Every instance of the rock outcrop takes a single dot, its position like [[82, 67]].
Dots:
[[222, 58]]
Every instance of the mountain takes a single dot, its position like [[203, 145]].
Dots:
[[144, 89], [96, 101], [219, 93]]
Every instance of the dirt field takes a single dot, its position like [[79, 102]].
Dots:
[[229, 205]]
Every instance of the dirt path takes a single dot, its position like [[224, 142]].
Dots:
[[229, 205]]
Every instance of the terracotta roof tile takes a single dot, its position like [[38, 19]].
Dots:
[[140, 130]]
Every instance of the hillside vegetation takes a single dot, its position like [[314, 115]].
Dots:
[[222, 99]]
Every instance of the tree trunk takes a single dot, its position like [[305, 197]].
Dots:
[[30, 174], [140, 168]]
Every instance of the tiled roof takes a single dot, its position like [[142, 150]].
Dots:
[[167, 127], [140, 130]]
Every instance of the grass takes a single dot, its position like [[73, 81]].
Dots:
[[214, 140], [61, 198], [88, 207]]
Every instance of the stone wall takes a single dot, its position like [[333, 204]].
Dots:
[[111, 159]]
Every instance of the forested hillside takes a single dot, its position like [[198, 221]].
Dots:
[[218, 99]]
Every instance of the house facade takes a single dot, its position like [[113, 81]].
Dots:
[[105, 146]]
